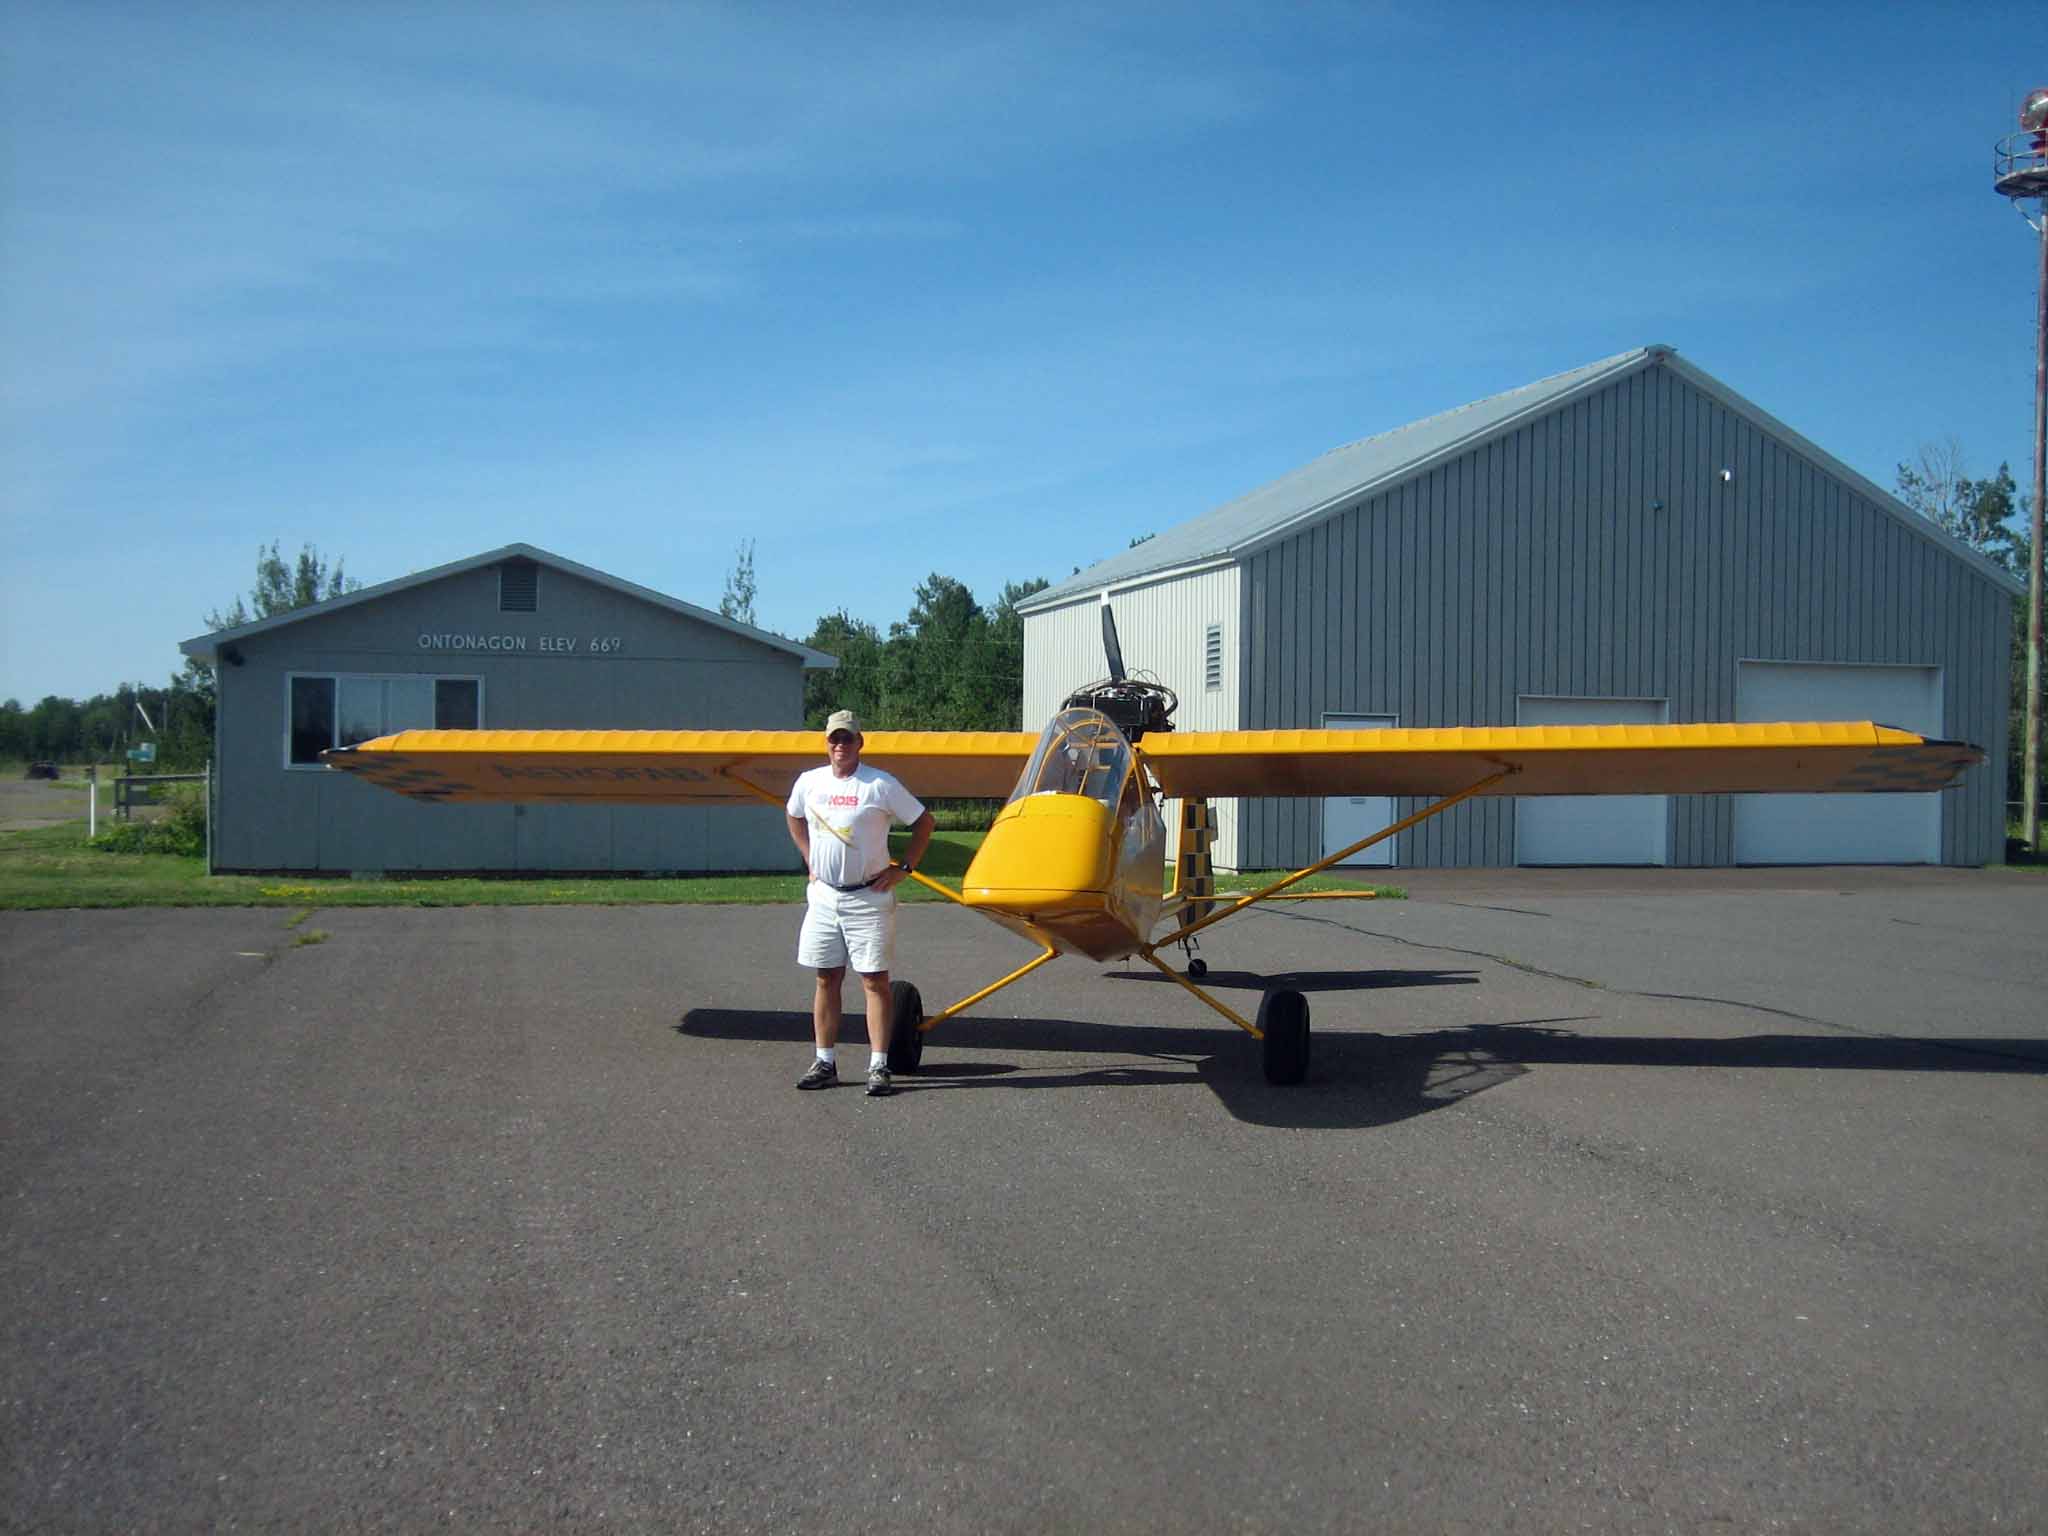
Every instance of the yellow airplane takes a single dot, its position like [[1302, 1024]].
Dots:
[[1076, 859]]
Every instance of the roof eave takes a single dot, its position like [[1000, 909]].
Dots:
[[1092, 592], [1885, 501], [1414, 469], [205, 646]]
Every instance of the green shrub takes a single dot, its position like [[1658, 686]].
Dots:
[[181, 829], [963, 815]]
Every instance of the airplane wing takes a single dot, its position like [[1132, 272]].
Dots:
[[1815, 757], [668, 767]]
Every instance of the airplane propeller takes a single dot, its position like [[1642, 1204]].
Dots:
[[1136, 704], [1110, 648]]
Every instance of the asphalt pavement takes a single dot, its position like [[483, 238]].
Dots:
[[1673, 1201]]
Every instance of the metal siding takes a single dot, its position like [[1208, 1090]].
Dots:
[[1297, 679], [1536, 565], [675, 671], [1944, 606], [1599, 502], [1510, 466], [1160, 626], [1062, 651]]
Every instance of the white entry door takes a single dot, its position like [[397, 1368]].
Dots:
[[1347, 818], [1592, 829], [1839, 829]]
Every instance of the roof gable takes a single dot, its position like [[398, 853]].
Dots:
[[1346, 476], [204, 646], [1339, 478]]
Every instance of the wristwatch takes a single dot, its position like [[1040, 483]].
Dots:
[[906, 866]]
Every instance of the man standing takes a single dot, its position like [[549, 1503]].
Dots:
[[839, 818]]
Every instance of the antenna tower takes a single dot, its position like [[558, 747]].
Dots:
[[2020, 172]]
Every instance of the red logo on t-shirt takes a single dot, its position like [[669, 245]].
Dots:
[[842, 799]]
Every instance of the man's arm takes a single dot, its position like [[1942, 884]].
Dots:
[[800, 834], [920, 839]]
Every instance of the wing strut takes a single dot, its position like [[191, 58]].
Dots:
[[1341, 854], [1150, 952]]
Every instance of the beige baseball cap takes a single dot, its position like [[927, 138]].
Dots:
[[843, 720]]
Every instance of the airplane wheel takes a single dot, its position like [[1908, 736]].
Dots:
[[1283, 1020], [1198, 967], [906, 1040]]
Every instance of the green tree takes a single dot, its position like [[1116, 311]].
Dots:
[[949, 664], [280, 587], [1990, 516], [935, 651], [1002, 667], [738, 601], [54, 729], [1981, 513], [856, 683]]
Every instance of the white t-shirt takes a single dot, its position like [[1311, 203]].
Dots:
[[849, 820]]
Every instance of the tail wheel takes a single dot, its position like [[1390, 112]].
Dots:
[[1283, 1021], [906, 1040]]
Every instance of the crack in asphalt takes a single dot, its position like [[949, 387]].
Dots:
[[1678, 997], [1480, 906]]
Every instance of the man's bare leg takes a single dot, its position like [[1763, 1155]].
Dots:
[[825, 1008], [876, 985]]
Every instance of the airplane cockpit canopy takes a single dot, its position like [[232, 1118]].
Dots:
[[1080, 753]]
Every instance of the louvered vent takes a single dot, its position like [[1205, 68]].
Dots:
[[518, 587], [1212, 657]]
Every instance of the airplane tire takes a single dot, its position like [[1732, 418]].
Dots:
[[1198, 967], [1283, 1020], [906, 1040]]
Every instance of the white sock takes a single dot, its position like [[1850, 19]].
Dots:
[[829, 1056], [877, 1058]]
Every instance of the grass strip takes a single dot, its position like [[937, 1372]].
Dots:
[[54, 867]]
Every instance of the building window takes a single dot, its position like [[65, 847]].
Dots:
[[341, 709], [1212, 658], [456, 703], [519, 587]]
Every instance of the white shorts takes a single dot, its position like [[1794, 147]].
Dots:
[[847, 926]]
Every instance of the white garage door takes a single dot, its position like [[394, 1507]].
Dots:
[[1592, 829], [1348, 818], [1839, 829]]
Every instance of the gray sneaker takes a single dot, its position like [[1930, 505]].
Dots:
[[823, 1074], [879, 1085]]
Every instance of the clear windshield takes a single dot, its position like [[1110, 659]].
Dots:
[[1081, 753]]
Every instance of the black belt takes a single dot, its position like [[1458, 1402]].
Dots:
[[871, 879]]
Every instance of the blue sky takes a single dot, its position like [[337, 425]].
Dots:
[[895, 289]]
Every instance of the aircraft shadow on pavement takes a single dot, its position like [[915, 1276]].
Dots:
[[1358, 1080], [1310, 981]]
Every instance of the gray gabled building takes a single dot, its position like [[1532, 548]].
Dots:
[[1631, 541], [515, 638]]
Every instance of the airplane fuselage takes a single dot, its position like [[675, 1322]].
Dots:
[[1076, 859]]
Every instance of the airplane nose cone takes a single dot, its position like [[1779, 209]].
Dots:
[[1044, 852]]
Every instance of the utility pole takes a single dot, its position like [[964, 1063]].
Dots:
[[2021, 174]]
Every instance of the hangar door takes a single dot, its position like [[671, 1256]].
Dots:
[[1347, 818], [1592, 829], [1839, 829]]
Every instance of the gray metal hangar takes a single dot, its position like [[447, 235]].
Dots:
[[515, 638], [1631, 541]]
